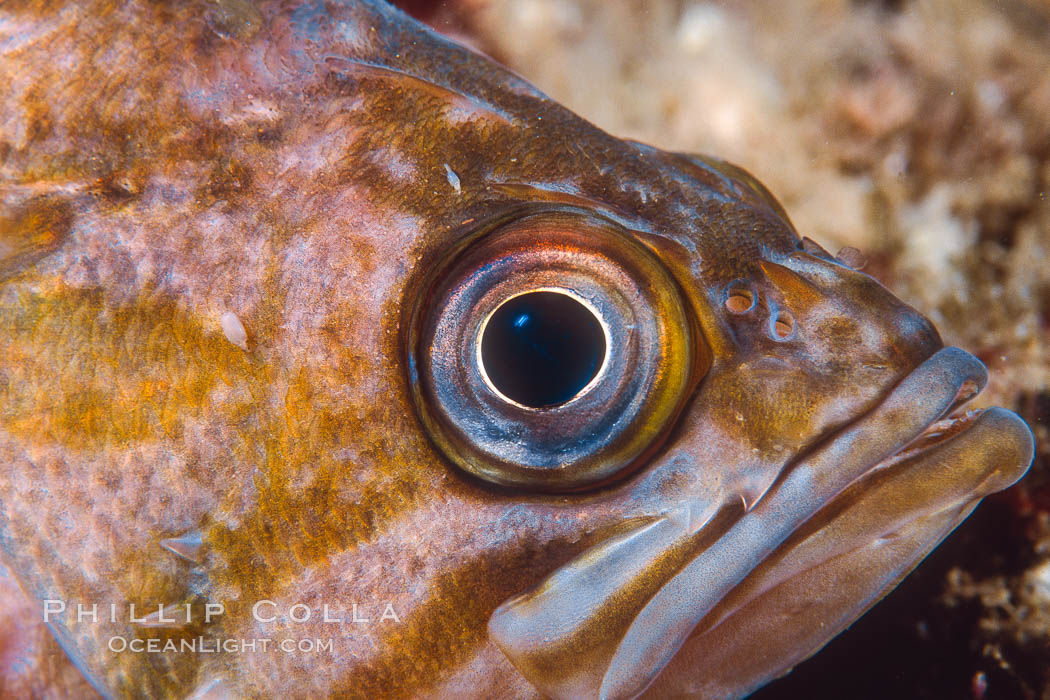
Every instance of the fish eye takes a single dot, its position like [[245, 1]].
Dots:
[[551, 352]]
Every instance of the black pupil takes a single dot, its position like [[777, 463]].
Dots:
[[541, 348]]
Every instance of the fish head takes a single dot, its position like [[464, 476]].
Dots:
[[802, 426], [317, 326]]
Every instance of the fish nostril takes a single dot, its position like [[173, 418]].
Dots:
[[740, 299], [783, 326]]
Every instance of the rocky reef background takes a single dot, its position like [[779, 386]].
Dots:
[[917, 132]]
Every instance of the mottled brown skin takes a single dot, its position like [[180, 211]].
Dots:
[[166, 162]]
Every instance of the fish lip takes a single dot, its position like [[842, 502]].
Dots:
[[971, 376], [953, 421], [920, 407], [537, 629], [896, 513], [958, 425], [937, 432]]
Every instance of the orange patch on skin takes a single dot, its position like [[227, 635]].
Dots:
[[450, 625], [798, 292], [306, 510], [85, 372], [31, 232]]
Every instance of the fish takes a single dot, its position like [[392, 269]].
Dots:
[[337, 360]]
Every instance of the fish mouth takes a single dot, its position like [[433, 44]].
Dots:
[[607, 624]]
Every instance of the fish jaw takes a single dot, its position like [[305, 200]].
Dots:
[[848, 519]]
